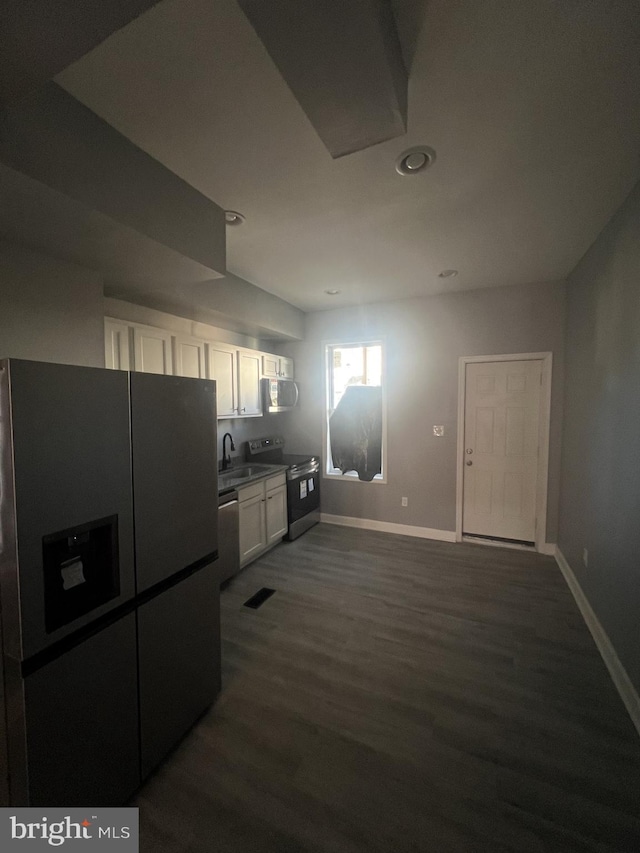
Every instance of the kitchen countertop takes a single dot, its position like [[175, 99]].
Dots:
[[244, 475]]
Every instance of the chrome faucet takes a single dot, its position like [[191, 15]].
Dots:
[[226, 459]]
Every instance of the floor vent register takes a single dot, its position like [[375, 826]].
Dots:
[[259, 598]]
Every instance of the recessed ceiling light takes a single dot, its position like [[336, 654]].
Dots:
[[415, 160], [448, 274], [232, 217], [332, 292]]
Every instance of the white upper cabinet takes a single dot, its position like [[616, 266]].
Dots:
[[152, 350], [277, 366], [189, 357], [236, 370], [270, 365], [286, 368], [116, 345], [223, 367], [249, 403]]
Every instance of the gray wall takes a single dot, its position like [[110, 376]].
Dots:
[[244, 429], [50, 310], [425, 337], [234, 298], [600, 505]]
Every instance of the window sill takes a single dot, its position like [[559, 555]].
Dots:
[[351, 477]]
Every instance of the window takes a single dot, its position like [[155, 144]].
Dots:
[[355, 416]]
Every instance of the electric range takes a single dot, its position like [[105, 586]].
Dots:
[[303, 481]]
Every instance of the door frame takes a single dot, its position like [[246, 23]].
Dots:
[[543, 436]]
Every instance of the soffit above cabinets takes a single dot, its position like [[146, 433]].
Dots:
[[52, 138], [40, 38], [531, 108]]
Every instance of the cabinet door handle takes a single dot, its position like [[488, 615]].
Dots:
[[269, 498]]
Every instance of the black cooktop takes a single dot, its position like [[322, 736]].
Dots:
[[297, 459], [270, 449]]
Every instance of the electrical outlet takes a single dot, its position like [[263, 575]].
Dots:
[[405, 501], [585, 557]]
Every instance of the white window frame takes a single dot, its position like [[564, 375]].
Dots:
[[335, 473]]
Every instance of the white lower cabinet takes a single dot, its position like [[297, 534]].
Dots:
[[263, 516], [253, 530], [276, 513]]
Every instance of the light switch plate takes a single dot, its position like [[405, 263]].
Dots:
[[438, 431]]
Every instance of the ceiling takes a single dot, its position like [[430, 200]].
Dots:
[[533, 110]]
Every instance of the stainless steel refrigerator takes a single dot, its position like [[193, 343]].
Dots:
[[108, 589]]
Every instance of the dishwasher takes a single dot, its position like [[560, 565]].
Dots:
[[228, 535]]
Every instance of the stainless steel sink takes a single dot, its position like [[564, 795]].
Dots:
[[245, 472], [251, 470]]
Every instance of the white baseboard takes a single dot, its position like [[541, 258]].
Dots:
[[618, 673], [548, 548], [389, 527]]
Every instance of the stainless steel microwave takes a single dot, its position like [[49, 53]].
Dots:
[[279, 395]]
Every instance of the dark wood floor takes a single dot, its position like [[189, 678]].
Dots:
[[399, 694]]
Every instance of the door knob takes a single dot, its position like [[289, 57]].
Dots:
[[469, 450], [469, 462]]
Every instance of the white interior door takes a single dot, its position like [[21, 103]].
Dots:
[[501, 434]]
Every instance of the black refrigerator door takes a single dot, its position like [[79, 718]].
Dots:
[[74, 512], [179, 660], [82, 723], [175, 479]]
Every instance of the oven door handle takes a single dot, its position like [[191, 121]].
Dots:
[[229, 503], [313, 468]]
